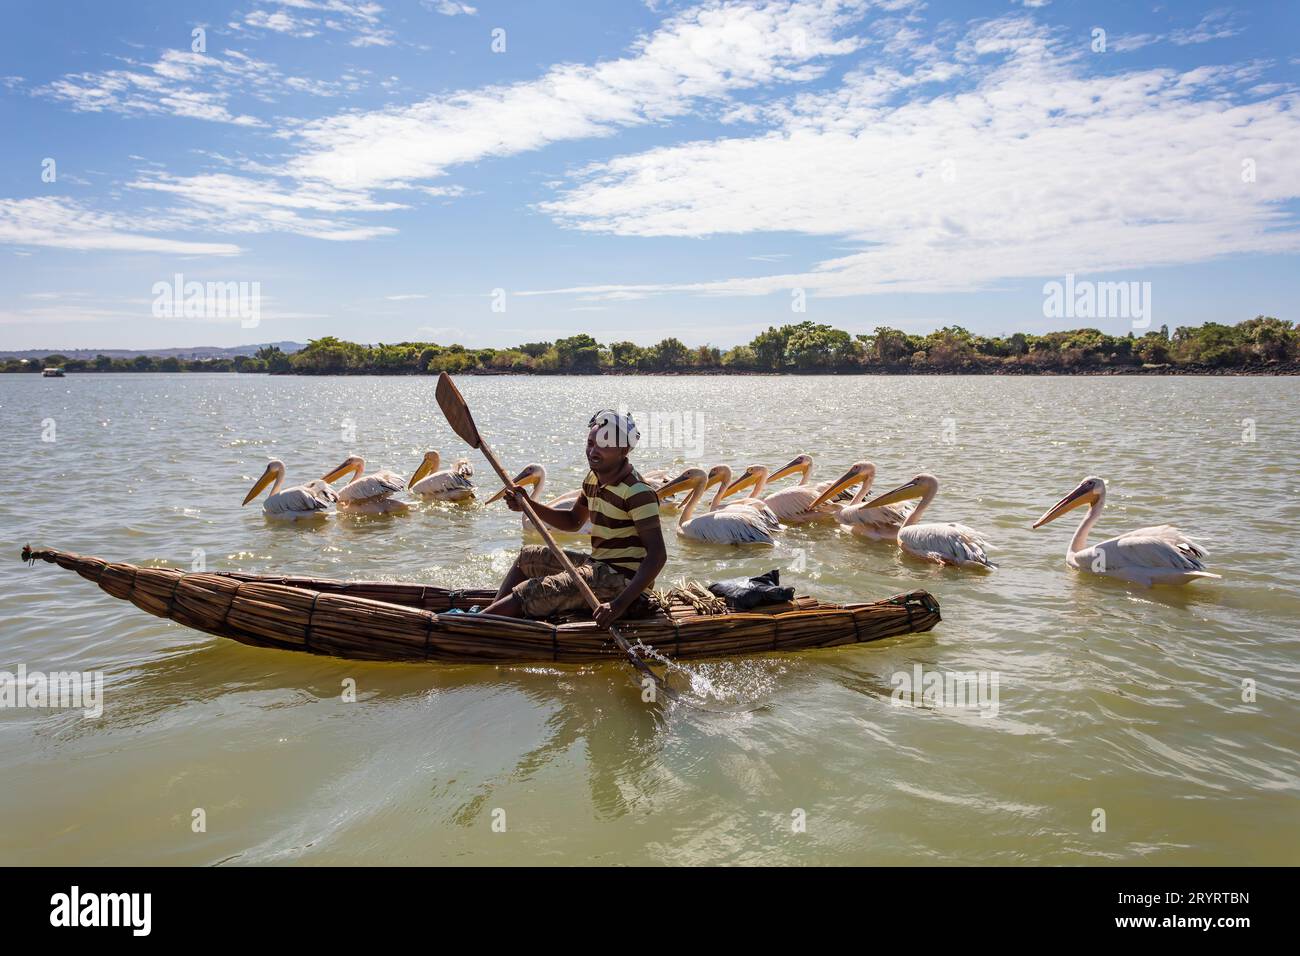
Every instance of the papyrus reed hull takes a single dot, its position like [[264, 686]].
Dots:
[[383, 621]]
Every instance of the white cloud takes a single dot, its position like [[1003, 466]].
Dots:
[[194, 85], [282, 22], [1034, 168], [450, 8], [703, 54], [360, 18], [1216, 25], [406, 297], [63, 224], [64, 313], [245, 205]]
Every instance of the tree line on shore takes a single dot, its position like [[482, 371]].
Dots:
[[804, 347]]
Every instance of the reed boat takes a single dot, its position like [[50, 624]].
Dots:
[[393, 621]]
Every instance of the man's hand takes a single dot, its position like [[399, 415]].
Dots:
[[512, 499], [606, 614]]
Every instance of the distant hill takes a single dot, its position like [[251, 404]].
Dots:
[[197, 352]]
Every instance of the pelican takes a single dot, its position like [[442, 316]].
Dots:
[[954, 544], [1147, 556], [534, 477], [370, 494], [728, 526], [879, 523], [790, 505], [720, 475], [300, 501], [451, 485], [656, 477]]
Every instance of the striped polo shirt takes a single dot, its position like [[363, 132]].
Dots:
[[615, 508]]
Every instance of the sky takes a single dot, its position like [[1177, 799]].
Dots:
[[495, 173]]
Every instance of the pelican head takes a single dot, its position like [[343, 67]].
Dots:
[[922, 486], [428, 465], [530, 477], [750, 476], [274, 472], [353, 463], [859, 473], [799, 463], [690, 478], [1089, 491], [716, 474]]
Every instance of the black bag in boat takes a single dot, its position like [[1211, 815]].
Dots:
[[745, 593]]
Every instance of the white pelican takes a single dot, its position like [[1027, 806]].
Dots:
[[790, 505], [720, 475], [656, 477], [1147, 556], [534, 477], [451, 485], [299, 501], [954, 544], [878, 523], [370, 494], [728, 526]]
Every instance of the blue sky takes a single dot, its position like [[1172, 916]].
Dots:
[[639, 169]]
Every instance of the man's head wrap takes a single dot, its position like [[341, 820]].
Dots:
[[616, 429]]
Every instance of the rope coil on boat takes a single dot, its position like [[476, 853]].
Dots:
[[311, 612], [171, 598]]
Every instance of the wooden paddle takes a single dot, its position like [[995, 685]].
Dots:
[[453, 406]]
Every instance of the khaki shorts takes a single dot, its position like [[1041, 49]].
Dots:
[[549, 588]]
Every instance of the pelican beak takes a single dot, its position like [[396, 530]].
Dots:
[[426, 467], [674, 486], [902, 493], [338, 472], [846, 480], [1079, 496], [525, 479], [744, 481], [798, 463], [261, 484]]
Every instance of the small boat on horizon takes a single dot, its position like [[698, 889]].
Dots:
[[53, 371]]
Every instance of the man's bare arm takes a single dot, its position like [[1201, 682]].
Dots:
[[558, 518]]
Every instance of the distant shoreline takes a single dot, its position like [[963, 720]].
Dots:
[[1263, 345], [1266, 371]]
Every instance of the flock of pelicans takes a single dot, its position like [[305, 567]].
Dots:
[[1157, 555]]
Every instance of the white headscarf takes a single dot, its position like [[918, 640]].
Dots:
[[616, 430]]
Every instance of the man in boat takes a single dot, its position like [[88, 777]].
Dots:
[[627, 543]]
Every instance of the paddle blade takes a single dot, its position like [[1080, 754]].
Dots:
[[453, 406]]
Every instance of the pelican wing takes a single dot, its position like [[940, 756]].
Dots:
[[883, 521], [1161, 546], [789, 502], [730, 526], [949, 543], [300, 499], [442, 482], [379, 484]]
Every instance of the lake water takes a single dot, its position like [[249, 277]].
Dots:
[[1110, 699]]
